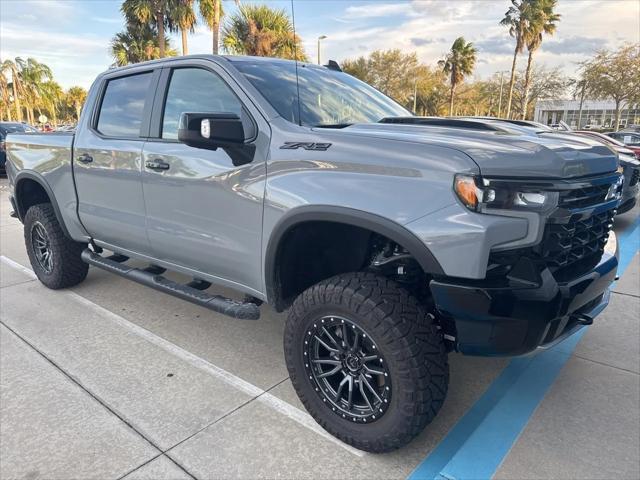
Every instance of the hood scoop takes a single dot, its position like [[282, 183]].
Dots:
[[442, 122]]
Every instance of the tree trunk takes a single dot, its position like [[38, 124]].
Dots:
[[216, 26], [511, 81], [160, 19], [527, 85], [584, 86], [185, 48], [453, 89], [618, 114], [78, 110], [16, 98]]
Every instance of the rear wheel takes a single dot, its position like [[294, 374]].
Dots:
[[366, 361], [55, 259]]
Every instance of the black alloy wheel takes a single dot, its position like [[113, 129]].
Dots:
[[41, 245], [347, 369]]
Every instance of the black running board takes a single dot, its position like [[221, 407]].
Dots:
[[191, 292]]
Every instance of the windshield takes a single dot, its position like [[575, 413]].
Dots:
[[327, 97]]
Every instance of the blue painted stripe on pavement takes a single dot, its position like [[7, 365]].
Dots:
[[629, 241], [476, 446]]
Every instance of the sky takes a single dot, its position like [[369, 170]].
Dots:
[[73, 36]]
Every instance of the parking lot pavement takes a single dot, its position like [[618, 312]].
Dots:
[[114, 380]]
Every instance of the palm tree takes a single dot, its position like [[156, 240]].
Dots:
[[516, 19], [33, 75], [211, 11], [5, 96], [262, 31], [76, 97], [157, 13], [16, 84], [138, 43], [542, 19], [458, 63], [185, 18], [51, 98]]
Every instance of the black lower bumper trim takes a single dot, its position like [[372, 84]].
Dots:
[[627, 205], [217, 303], [514, 320]]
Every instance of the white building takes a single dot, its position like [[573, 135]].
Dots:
[[596, 114]]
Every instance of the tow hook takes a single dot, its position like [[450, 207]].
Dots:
[[583, 319]]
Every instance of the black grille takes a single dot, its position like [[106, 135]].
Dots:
[[579, 240], [583, 197], [635, 177]]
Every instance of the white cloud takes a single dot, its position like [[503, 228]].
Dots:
[[372, 10], [113, 20], [431, 26], [74, 60]]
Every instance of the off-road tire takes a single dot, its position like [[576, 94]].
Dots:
[[412, 346], [68, 269]]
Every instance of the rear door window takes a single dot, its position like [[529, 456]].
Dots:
[[122, 108]]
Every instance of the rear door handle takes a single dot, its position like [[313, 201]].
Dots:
[[156, 164], [85, 158]]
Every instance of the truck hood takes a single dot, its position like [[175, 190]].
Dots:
[[506, 154]]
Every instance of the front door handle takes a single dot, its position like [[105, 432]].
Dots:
[[156, 164], [85, 158]]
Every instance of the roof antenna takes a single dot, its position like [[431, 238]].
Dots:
[[295, 57]]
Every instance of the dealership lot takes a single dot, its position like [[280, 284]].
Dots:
[[114, 380]]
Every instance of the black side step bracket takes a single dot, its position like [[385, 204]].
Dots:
[[192, 292]]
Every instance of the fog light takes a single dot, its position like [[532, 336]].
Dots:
[[612, 243]]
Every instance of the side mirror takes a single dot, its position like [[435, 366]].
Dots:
[[211, 130]]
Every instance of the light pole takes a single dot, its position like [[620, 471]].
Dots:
[[321, 37], [500, 100]]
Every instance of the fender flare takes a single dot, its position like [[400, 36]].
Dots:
[[40, 180], [357, 218]]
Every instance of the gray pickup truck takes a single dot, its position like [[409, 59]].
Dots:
[[390, 243]]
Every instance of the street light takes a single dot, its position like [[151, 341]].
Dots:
[[321, 37], [500, 99]]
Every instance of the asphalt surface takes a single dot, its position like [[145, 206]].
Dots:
[[114, 380]]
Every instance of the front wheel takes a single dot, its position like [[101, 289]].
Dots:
[[366, 361], [54, 257]]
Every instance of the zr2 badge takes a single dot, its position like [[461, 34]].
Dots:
[[306, 145]]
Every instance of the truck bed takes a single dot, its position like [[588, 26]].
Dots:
[[46, 158]]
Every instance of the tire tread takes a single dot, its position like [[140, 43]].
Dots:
[[415, 343], [69, 269]]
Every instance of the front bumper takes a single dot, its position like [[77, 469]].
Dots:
[[499, 320]]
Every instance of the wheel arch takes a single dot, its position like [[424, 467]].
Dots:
[[31, 188], [340, 215]]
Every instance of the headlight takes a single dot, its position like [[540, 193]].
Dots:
[[478, 196], [615, 190]]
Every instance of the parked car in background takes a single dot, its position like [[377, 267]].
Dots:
[[10, 127], [617, 145], [564, 127], [630, 137]]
